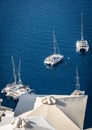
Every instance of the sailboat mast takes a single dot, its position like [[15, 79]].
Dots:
[[54, 42], [56, 49], [81, 26], [14, 70], [19, 76], [77, 85]]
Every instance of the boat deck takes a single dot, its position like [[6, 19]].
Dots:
[[53, 59]]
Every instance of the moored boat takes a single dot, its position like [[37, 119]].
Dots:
[[56, 57], [82, 45], [16, 89], [11, 86], [77, 90]]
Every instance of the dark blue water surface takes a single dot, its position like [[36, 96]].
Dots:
[[26, 33]]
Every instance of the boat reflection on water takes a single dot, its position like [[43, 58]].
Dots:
[[49, 66]]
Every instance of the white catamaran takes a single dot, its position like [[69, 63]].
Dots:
[[16, 89], [77, 90], [82, 45], [20, 88], [11, 85], [56, 57]]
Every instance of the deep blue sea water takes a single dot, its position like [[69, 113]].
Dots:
[[26, 33]]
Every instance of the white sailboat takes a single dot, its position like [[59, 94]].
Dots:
[[56, 57], [11, 85], [16, 89], [20, 88], [82, 45], [77, 90]]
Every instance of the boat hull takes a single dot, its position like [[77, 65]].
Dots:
[[53, 59], [83, 50], [82, 46]]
